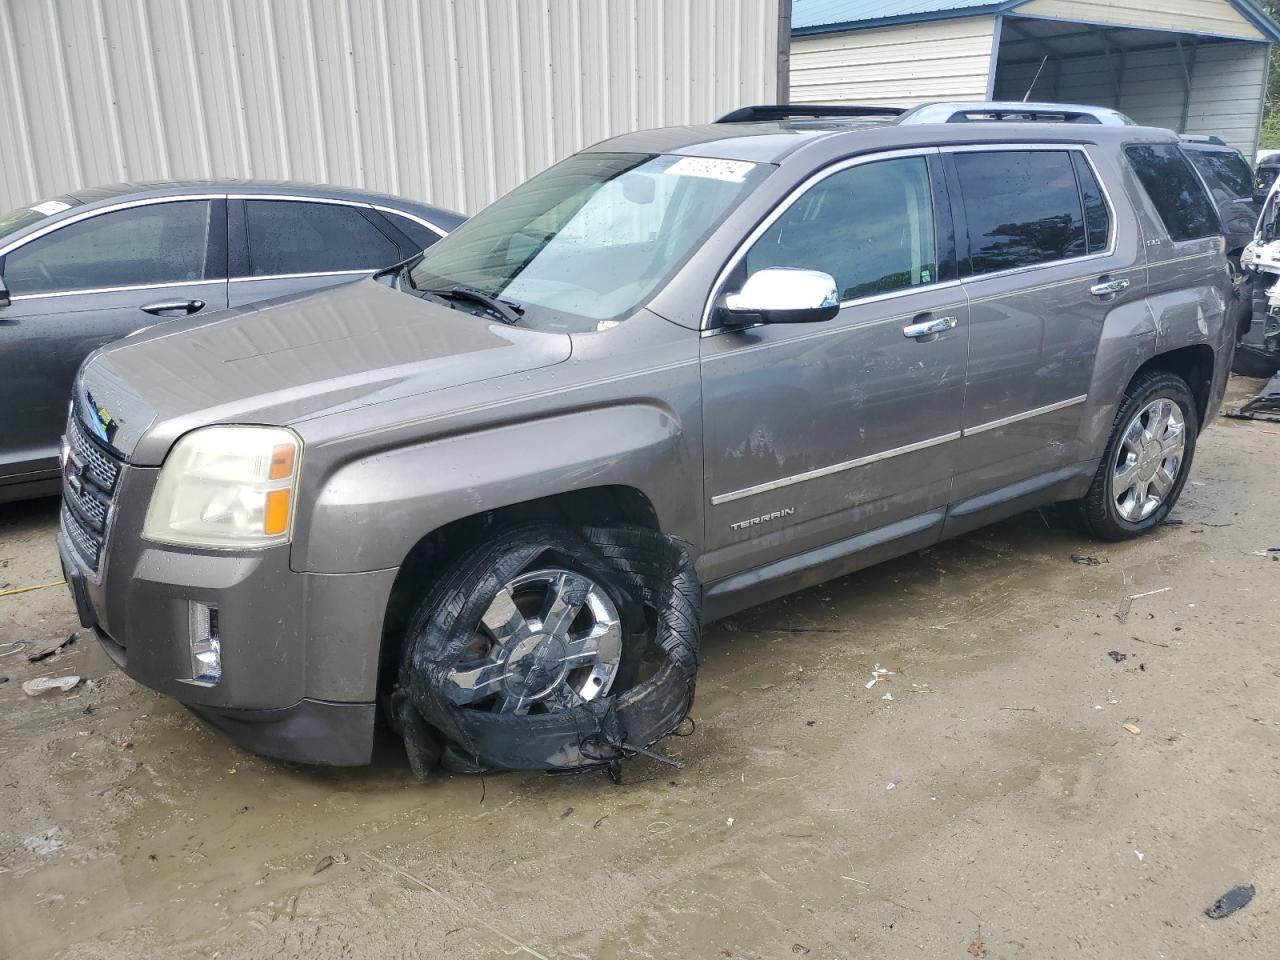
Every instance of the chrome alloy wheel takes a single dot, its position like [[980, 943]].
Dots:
[[1149, 459], [549, 640]]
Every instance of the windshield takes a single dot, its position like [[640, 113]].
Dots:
[[590, 239], [1227, 173], [23, 217]]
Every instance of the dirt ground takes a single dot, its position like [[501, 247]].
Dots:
[[996, 806]]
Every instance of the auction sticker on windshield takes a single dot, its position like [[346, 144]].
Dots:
[[730, 171]]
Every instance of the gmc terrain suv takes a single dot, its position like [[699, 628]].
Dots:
[[496, 491]]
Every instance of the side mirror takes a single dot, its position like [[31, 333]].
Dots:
[[4, 294], [781, 295]]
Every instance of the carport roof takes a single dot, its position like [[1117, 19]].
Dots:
[[809, 17]]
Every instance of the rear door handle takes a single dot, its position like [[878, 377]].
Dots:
[[1109, 288], [922, 329], [174, 308]]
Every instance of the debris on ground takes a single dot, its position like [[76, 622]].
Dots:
[[887, 696], [1231, 901], [892, 784], [53, 839], [4, 679], [47, 651], [1265, 406], [1140, 855], [1117, 656], [879, 675], [978, 947], [42, 685], [1088, 561], [1132, 727], [799, 948]]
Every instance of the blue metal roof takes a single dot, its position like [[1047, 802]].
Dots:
[[830, 16], [824, 16]]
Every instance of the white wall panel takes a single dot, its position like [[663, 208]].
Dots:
[[1210, 17], [903, 65], [449, 101], [1227, 84]]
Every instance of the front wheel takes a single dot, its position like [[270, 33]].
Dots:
[[527, 653], [1148, 456]]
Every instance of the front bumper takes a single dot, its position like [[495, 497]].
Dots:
[[299, 651]]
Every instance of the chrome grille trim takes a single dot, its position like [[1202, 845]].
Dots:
[[87, 497]]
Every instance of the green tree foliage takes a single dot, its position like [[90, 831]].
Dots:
[[1270, 139]]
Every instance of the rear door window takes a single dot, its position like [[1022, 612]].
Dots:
[[140, 246], [1174, 190], [289, 237], [1023, 208], [871, 227]]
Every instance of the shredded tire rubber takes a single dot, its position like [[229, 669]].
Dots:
[[651, 578]]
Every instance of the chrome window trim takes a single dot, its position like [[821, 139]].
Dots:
[[834, 468], [98, 211], [414, 217], [320, 273], [141, 286], [1024, 415], [783, 205]]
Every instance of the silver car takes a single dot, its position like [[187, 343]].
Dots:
[[83, 269]]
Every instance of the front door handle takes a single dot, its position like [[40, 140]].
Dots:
[[927, 329], [1109, 288], [174, 308]]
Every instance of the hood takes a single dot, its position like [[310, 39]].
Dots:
[[281, 361]]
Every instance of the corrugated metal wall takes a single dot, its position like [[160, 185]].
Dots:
[[901, 66], [449, 101], [1216, 17], [1227, 84]]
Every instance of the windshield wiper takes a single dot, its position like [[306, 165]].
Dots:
[[505, 310]]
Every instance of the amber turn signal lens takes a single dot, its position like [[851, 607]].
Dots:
[[277, 518], [282, 462]]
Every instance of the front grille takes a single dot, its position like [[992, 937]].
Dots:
[[88, 486]]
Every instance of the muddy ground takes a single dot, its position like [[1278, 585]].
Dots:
[[996, 805]]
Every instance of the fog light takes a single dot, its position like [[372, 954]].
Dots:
[[206, 648]]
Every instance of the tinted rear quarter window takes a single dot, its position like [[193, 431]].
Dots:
[[420, 236], [1023, 207], [1174, 190], [293, 236]]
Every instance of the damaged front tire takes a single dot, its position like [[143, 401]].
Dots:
[[527, 653]]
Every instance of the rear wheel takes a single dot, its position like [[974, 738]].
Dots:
[[1147, 459]]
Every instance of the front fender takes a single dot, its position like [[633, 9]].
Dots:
[[373, 510]]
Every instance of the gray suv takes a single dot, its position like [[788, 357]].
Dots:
[[495, 493]]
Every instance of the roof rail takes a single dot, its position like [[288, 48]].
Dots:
[[1202, 138], [980, 111], [785, 111]]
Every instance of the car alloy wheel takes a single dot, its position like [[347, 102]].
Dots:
[[1148, 459], [550, 639]]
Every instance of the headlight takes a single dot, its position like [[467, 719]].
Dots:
[[226, 487]]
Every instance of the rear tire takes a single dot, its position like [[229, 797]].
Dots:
[[1147, 459]]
